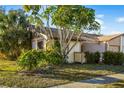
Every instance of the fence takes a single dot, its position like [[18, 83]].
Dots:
[[79, 57]]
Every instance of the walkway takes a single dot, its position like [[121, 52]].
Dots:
[[94, 83]]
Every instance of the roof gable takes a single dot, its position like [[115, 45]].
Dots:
[[108, 37]]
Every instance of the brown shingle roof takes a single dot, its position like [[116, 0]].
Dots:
[[84, 36]]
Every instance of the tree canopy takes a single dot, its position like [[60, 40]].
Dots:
[[14, 36], [74, 17], [68, 20]]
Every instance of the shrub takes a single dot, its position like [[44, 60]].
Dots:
[[53, 57], [53, 53], [114, 58], [108, 57], [88, 57], [92, 58], [30, 59], [96, 57]]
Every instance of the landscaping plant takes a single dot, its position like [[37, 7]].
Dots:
[[113, 58], [92, 58], [30, 59], [33, 59], [14, 35]]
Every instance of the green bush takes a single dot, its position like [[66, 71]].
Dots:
[[53, 57], [96, 57], [92, 58], [30, 59], [108, 57], [114, 58], [89, 57]]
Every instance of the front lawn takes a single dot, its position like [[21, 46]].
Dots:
[[11, 77], [118, 84]]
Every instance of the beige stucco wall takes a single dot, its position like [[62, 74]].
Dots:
[[123, 40], [93, 47], [123, 43], [77, 48], [114, 44], [115, 41], [114, 48]]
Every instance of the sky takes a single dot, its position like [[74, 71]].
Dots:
[[111, 17]]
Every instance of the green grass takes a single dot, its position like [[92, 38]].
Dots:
[[118, 84], [61, 74], [10, 77], [8, 65]]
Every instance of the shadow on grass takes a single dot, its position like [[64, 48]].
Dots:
[[119, 84], [70, 76], [72, 72], [113, 68], [76, 72], [101, 80]]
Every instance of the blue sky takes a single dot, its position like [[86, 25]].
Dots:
[[110, 17]]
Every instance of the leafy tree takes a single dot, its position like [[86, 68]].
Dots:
[[14, 36], [69, 21]]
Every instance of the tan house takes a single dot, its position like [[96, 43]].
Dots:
[[104, 43], [113, 43], [97, 43], [87, 43]]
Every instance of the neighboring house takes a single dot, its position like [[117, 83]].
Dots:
[[87, 43], [113, 43], [104, 43]]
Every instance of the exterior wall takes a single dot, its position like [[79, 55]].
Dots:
[[114, 44], [93, 47], [123, 40], [115, 41], [114, 48], [77, 48], [123, 43]]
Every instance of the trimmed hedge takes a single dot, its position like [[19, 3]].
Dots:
[[92, 58], [113, 58]]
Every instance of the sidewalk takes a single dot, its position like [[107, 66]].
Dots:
[[94, 82]]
